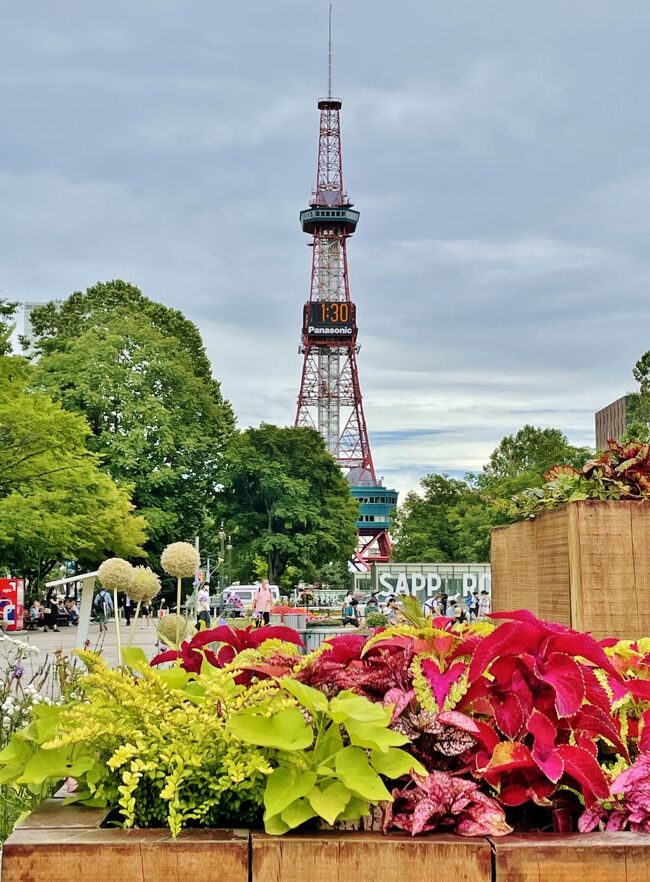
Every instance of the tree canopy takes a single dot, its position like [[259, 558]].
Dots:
[[451, 519], [56, 503], [139, 374], [285, 500]]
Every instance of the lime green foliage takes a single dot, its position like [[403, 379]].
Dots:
[[328, 756], [150, 744]]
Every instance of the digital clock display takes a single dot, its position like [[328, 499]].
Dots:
[[330, 318]]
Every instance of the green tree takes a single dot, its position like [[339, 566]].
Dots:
[[139, 373], [285, 500], [451, 520], [56, 503]]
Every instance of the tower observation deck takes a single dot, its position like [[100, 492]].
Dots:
[[330, 394]]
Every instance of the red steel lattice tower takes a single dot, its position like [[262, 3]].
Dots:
[[330, 395]]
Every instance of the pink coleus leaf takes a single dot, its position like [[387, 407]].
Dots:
[[509, 714], [563, 674], [459, 721], [441, 681], [592, 721], [401, 698], [584, 769], [509, 755], [544, 751], [511, 638]]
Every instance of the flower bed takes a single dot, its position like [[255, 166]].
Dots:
[[476, 729]]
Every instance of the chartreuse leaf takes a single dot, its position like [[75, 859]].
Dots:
[[17, 751], [330, 802], [355, 809], [134, 657], [297, 813], [286, 730], [275, 826], [57, 763], [356, 773], [373, 736], [284, 786], [175, 678], [394, 763], [312, 699], [348, 706], [328, 743]]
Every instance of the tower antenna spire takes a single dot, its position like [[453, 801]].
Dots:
[[329, 57]]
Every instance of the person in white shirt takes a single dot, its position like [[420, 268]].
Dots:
[[203, 607], [432, 606], [484, 604]]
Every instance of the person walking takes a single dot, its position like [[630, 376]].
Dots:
[[392, 611], [203, 607], [51, 610], [262, 604], [127, 606], [103, 605]]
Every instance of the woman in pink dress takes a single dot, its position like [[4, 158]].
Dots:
[[262, 603]]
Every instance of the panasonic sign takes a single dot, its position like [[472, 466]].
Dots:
[[329, 331]]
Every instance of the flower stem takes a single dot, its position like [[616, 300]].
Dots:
[[178, 611], [117, 627]]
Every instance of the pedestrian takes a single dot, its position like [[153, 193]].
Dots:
[[51, 610], [443, 603], [127, 606], [103, 605], [484, 604], [144, 615], [372, 604], [351, 614], [263, 603], [203, 607], [473, 607], [392, 611], [431, 606], [455, 611]]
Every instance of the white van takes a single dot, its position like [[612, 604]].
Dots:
[[245, 594]]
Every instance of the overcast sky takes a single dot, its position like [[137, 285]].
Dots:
[[498, 152]]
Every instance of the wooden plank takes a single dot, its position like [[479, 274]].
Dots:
[[553, 570], [576, 610], [574, 857], [51, 814], [76, 854], [640, 525], [369, 857], [606, 594]]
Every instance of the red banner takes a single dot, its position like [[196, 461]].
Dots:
[[12, 604]]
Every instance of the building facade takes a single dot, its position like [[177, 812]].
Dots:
[[612, 422]]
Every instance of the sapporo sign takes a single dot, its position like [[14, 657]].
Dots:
[[432, 583]]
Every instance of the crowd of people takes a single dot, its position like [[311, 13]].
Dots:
[[476, 605]]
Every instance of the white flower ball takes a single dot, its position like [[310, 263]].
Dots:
[[116, 574], [146, 585], [180, 559]]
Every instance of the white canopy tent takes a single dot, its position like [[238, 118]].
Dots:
[[85, 606]]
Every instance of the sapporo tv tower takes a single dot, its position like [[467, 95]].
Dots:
[[330, 395]]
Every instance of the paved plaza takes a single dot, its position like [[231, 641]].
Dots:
[[66, 640]]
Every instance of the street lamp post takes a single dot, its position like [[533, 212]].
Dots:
[[229, 550], [222, 539]]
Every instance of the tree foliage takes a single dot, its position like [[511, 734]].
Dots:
[[139, 373], [286, 500], [55, 500], [450, 520]]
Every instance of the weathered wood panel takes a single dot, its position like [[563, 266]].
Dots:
[[53, 846], [369, 857], [592, 857], [586, 565]]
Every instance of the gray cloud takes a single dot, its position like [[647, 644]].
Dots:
[[497, 152]]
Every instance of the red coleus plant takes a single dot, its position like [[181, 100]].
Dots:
[[233, 641]]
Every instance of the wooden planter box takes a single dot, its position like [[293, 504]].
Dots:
[[69, 844], [586, 565]]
